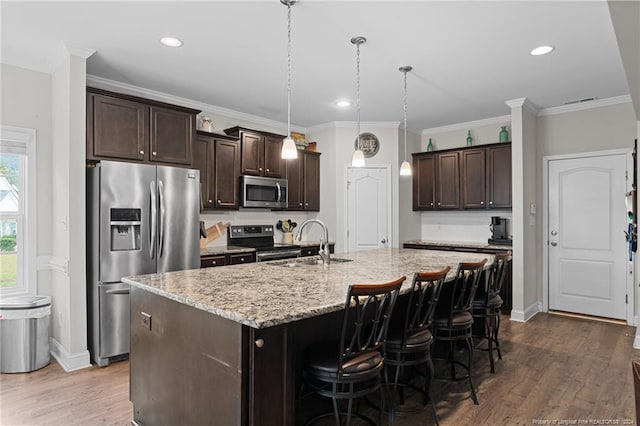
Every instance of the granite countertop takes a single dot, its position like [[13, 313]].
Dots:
[[265, 294], [221, 250], [469, 244]]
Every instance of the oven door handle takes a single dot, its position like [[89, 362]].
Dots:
[[282, 254]]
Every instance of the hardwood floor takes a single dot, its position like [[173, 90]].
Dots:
[[553, 368]]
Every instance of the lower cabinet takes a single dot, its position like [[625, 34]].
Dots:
[[210, 261], [314, 250], [505, 292]]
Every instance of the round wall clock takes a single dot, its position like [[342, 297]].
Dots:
[[369, 144]]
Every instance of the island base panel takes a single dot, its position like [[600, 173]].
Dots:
[[186, 364]]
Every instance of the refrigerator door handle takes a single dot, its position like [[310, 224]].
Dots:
[[162, 218], [153, 214]]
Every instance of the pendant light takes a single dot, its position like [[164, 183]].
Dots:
[[289, 149], [358, 156], [405, 168]]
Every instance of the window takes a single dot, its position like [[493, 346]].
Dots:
[[17, 240]]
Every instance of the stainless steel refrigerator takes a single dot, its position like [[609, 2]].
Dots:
[[141, 219]]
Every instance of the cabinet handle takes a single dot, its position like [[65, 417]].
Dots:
[[431, 204], [210, 201], [306, 204], [242, 259], [482, 203], [267, 169], [490, 202], [154, 153], [260, 343], [219, 202], [300, 204], [259, 169], [213, 262], [141, 152], [438, 203]]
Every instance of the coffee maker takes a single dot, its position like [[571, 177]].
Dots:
[[499, 234]]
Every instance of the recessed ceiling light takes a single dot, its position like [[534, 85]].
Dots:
[[343, 104], [541, 50], [171, 42]]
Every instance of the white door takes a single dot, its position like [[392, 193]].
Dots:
[[368, 208], [587, 247]]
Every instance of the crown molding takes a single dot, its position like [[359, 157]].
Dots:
[[597, 103], [112, 85], [463, 126], [524, 103], [62, 51]]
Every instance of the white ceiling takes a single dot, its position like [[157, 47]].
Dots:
[[468, 57]]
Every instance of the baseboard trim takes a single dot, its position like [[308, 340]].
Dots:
[[70, 362], [524, 316]]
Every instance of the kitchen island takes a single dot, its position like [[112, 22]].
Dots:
[[221, 345]]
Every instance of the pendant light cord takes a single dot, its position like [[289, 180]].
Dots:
[[289, 70], [405, 115], [358, 88]]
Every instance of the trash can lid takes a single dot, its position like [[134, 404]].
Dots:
[[24, 302]]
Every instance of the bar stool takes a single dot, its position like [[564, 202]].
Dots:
[[409, 341], [453, 321], [351, 367], [487, 304]]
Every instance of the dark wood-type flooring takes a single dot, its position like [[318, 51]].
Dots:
[[553, 368]]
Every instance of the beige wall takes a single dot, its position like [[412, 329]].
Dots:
[[26, 102], [409, 221]]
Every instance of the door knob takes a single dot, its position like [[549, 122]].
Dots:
[[554, 232], [384, 241], [553, 243]]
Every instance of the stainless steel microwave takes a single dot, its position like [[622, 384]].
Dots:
[[263, 192]]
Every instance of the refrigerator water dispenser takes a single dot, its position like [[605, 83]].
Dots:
[[125, 229]]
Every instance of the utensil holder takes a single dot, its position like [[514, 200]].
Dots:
[[287, 238]]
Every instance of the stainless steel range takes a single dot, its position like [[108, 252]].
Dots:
[[260, 237]]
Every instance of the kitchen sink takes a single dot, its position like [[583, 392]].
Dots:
[[300, 262]]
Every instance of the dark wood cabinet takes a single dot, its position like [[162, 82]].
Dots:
[[303, 176], [473, 178], [465, 178], [218, 159], [499, 176], [260, 152], [448, 180], [123, 127], [424, 182], [212, 261]]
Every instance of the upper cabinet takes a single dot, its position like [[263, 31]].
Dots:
[[260, 152], [467, 178], [218, 159], [129, 128], [303, 176]]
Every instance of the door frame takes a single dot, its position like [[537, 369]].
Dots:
[[630, 275], [348, 167]]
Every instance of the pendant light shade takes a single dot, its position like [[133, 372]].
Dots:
[[358, 156], [405, 168], [289, 149]]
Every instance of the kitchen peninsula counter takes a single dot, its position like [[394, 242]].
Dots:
[[223, 345]]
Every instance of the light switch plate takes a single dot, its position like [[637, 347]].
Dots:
[[146, 320]]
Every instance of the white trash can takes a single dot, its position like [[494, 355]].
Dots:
[[24, 333]]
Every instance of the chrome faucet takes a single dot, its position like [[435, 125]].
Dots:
[[324, 241]]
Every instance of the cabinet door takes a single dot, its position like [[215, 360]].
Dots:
[[424, 182], [273, 162], [236, 259], [311, 183], [203, 160], [171, 135], [448, 181], [212, 261], [473, 178], [120, 128], [295, 188], [252, 154], [499, 176], [227, 172]]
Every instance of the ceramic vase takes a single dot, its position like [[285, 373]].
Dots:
[[504, 134]]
